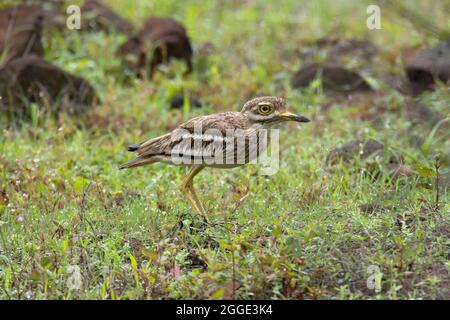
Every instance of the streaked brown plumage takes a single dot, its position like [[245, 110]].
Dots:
[[221, 140]]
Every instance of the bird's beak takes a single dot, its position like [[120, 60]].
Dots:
[[288, 116]]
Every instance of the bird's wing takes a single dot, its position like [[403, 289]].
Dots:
[[204, 136], [219, 121], [196, 133], [210, 127]]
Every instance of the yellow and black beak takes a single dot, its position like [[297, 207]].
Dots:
[[288, 116]]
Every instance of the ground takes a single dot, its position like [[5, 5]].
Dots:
[[73, 226]]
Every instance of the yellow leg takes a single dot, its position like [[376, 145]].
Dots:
[[187, 188], [195, 197]]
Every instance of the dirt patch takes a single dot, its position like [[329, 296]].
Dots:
[[20, 31], [366, 106], [32, 79], [362, 149], [427, 66], [337, 48], [417, 113], [442, 272], [397, 171], [375, 156], [4, 199], [98, 16], [158, 41], [335, 78], [372, 208]]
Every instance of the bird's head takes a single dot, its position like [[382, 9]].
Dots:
[[270, 110]]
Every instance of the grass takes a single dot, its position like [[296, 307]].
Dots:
[[74, 227]]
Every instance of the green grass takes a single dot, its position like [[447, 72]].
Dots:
[[298, 234]]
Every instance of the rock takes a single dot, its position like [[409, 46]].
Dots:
[[98, 16], [417, 113], [334, 78], [348, 47], [427, 65], [363, 149], [32, 79], [20, 31], [158, 41], [177, 102]]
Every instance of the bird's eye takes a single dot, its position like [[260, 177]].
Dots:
[[264, 109]]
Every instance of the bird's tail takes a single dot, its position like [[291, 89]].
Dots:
[[134, 147], [137, 162]]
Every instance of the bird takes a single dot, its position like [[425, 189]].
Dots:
[[221, 140]]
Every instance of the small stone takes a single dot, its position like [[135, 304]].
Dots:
[[177, 102]]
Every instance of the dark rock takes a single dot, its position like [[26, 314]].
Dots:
[[177, 102], [32, 79], [359, 148], [427, 65], [53, 13], [417, 113], [20, 31], [158, 41], [334, 78], [98, 16]]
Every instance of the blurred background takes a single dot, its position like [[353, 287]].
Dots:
[[366, 183]]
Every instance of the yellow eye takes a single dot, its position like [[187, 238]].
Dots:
[[264, 109]]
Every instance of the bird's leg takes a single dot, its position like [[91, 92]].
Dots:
[[187, 188], [194, 195], [193, 203], [197, 200]]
